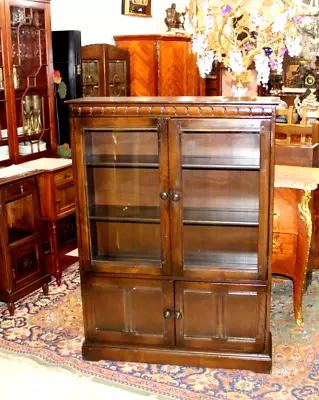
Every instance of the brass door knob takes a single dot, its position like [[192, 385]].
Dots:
[[178, 315], [164, 195], [175, 196], [167, 314]]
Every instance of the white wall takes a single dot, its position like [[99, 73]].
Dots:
[[100, 20]]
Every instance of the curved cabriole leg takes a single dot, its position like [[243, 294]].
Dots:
[[304, 241]]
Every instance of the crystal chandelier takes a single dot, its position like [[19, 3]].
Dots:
[[246, 33], [309, 32]]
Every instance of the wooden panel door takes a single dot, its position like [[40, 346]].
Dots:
[[129, 311], [220, 199], [125, 177], [143, 51], [173, 68], [220, 317]]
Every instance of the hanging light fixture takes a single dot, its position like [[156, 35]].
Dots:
[[243, 34]]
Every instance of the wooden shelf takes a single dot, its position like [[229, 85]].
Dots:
[[234, 260], [123, 161], [16, 234], [220, 163], [125, 214], [204, 216], [191, 216], [127, 258]]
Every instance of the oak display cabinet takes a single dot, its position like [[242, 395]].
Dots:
[[174, 197]]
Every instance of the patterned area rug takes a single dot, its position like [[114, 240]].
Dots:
[[50, 329]]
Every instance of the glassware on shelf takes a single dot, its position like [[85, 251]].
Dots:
[[27, 115], [32, 108], [16, 78], [36, 114]]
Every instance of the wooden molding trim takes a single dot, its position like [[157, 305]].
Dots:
[[178, 111]]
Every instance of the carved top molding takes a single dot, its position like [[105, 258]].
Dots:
[[198, 108]]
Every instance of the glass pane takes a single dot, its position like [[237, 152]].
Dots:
[[20, 215], [30, 68], [4, 146], [220, 200], [123, 192], [90, 78], [223, 149], [117, 74], [220, 246]]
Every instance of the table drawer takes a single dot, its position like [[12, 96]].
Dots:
[[20, 187], [63, 177]]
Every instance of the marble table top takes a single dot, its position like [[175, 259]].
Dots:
[[304, 178]]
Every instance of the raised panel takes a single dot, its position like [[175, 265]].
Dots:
[[65, 197], [220, 316], [26, 264], [129, 311], [241, 315]]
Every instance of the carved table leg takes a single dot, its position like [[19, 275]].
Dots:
[[45, 289], [304, 241], [11, 309]]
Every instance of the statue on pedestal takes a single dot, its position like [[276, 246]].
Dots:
[[174, 19]]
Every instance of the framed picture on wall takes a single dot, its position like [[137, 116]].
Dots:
[[137, 8]]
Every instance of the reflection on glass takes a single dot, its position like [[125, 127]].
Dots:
[[123, 189], [220, 200]]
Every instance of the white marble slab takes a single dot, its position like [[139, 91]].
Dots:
[[304, 178], [14, 170], [48, 164]]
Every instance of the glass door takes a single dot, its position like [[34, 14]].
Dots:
[[216, 198], [32, 82], [118, 78], [127, 193], [90, 78], [4, 137]]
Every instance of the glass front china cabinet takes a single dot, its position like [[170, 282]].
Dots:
[[175, 214], [26, 82], [27, 133], [105, 71]]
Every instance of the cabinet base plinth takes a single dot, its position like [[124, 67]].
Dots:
[[260, 363]]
